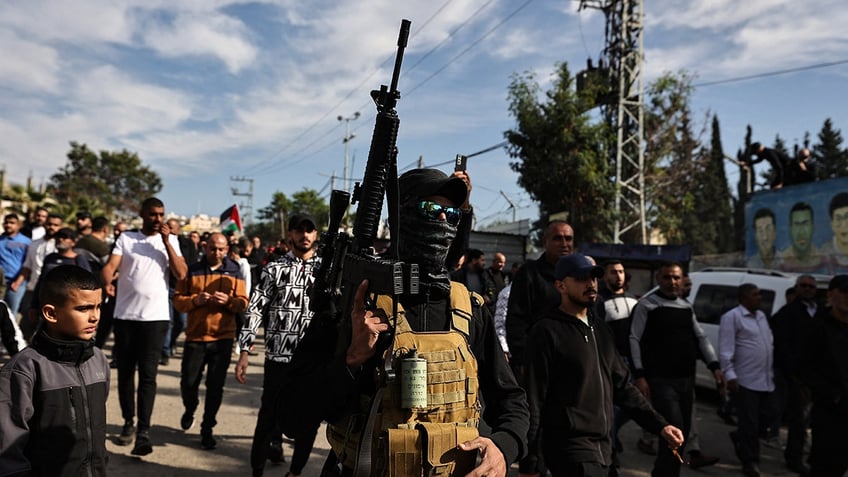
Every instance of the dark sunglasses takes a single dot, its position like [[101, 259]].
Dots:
[[431, 210]]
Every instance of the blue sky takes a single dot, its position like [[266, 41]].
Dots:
[[207, 90]]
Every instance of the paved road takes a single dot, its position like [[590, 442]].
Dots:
[[178, 453]]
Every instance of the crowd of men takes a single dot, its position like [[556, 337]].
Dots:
[[559, 350]]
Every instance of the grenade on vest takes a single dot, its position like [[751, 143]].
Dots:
[[413, 378]]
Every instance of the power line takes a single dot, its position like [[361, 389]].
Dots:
[[413, 88], [772, 73], [348, 95], [470, 47]]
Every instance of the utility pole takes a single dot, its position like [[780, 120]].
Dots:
[[347, 137], [246, 208], [623, 55]]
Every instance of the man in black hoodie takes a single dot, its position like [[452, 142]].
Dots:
[[574, 376]]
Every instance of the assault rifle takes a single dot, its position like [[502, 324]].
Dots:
[[347, 261]]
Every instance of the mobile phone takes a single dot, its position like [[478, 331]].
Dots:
[[461, 162]]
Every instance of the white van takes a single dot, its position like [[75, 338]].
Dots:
[[715, 291]]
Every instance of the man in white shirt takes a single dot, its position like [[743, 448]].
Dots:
[[746, 357], [143, 260]]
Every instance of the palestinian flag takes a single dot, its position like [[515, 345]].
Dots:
[[231, 220]]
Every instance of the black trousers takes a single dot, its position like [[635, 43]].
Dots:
[[138, 345], [829, 453], [274, 385], [673, 399], [215, 356], [750, 405]]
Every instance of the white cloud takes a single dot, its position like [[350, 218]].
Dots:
[[88, 21], [123, 105], [201, 34], [27, 65]]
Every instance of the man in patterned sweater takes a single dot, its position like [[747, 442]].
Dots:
[[280, 301]]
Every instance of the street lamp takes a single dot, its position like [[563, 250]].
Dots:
[[347, 137]]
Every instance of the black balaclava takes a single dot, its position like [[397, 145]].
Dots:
[[426, 242]]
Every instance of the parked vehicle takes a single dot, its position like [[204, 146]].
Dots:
[[714, 292]]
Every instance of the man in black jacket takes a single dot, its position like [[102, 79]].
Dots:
[[533, 291], [824, 368], [332, 380], [788, 326], [574, 376]]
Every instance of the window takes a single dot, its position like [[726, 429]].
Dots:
[[712, 301]]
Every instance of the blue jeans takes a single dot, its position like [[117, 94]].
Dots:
[[176, 325], [13, 298]]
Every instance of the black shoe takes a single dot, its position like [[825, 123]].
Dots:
[[206, 440], [751, 469], [113, 364], [275, 452], [127, 434], [164, 360], [799, 468], [142, 444], [697, 459], [187, 421]]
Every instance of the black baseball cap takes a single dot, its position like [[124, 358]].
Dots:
[[577, 265], [839, 282], [297, 220], [419, 183], [65, 232]]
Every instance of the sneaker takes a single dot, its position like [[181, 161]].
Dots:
[[206, 440], [697, 459], [646, 447], [142, 444], [187, 421], [275, 452], [164, 360], [127, 434]]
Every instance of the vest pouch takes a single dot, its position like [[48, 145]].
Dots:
[[404, 456], [443, 458]]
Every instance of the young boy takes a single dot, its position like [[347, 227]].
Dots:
[[53, 393]]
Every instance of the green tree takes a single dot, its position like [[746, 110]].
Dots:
[[109, 182], [671, 166], [713, 217], [562, 158], [744, 189], [828, 157], [274, 217]]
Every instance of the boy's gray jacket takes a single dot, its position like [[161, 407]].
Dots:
[[53, 410]]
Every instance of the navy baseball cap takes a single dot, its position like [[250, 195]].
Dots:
[[577, 265]]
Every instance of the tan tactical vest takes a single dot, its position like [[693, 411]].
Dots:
[[422, 441]]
